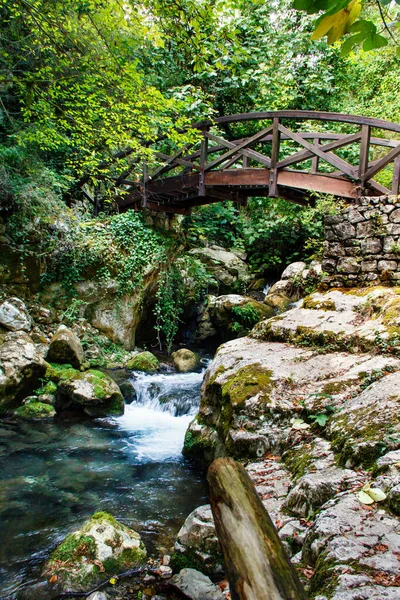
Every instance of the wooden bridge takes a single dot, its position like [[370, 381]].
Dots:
[[289, 154]]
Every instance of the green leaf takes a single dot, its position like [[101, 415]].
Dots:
[[364, 498], [374, 41]]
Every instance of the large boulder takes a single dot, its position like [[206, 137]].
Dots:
[[228, 317], [296, 281], [101, 547], [21, 367], [35, 411], [92, 393], [230, 272], [65, 347], [14, 315], [144, 361], [185, 360]]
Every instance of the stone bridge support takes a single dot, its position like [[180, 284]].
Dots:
[[362, 243]]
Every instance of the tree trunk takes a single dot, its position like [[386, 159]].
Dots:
[[257, 565]]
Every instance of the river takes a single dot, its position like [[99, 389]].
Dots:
[[55, 475]]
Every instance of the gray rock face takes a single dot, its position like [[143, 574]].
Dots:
[[227, 268], [92, 392], [66, 348], [14, 315], [21, 367], [196, 586]]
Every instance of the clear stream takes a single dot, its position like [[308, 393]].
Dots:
[[54, 475]]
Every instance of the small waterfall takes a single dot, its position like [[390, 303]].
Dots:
[[157, 420]]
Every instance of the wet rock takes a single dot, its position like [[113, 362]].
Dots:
[[186, 361], [144, 361], [21, 367], [196, 586], [65, 348], [197, 543], [14, 315], [102, 547], [92, 393], [230, 272]]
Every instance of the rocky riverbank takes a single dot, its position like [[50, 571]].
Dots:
[[310, 402]]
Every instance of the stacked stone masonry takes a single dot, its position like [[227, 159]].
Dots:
[[362, 243]]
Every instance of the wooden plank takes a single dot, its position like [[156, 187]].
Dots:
[[260, 158], [166, 208], [232, 162], [382, 162], [381, 189], [396, 176], [242, 146], [255, 559], [306, 154], [172, 164], [273, 174], [364, 153], [329, 157]]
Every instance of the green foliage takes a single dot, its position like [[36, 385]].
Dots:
[[181, 283], [245, 317]]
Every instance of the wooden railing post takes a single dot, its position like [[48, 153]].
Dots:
[[364, 154], [396, 176], [315, 159], [273, 175], [255, 559], [203, 162]]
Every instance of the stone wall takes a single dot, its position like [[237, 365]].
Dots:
[[363, 243]]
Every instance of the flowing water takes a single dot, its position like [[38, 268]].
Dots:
[[55, 475]]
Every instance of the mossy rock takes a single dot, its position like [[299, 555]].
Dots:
[[245, 383], [102, 547], [144, 361], [93, 393], [35, 411], [56, 373]]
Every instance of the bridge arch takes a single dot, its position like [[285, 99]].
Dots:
[[291, 155]]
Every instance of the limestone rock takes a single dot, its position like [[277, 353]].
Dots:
[[186, 361], [196, 586], [92, 393], [144, 361], [21, 367], [228, 270], [101, 541], [368, 424], [14, 315], [197, 542], [65, 347], [293, 270], [346, 538]]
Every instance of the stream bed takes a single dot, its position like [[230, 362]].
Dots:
[[55, 475]]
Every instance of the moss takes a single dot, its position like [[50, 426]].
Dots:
[[325, 578], [49, 388], [311, 303], [74, 547], [246, 383], [298, 460], [337, 387], [35, 411], [220, 370], [104, 516], [57, 373], [144, 361]]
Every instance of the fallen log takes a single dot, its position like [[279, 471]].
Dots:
[[255, 559]]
